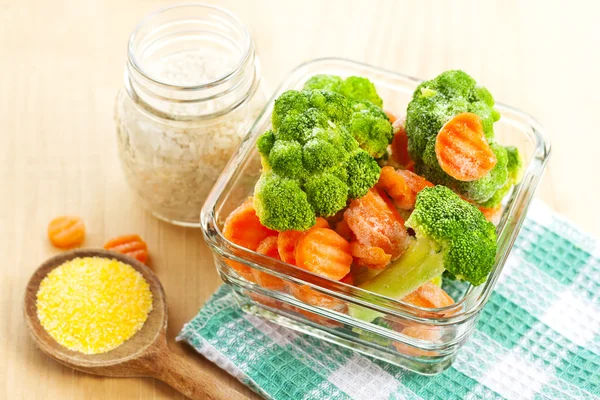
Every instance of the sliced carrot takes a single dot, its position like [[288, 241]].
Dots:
[[400, 144], [66, 232], [268, 247], [402, 186], [348, 279], [318, 319], [323, 252], [429, 295], [131, 245], [310, 296], [344, 230], [376, 223], [491, 214], [462, 149], [286, 242], [369, 256], [243, 228]]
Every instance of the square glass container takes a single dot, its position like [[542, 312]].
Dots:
[[422, 340]]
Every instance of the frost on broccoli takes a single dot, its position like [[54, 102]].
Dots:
[[434, 103], [311, 163], [369, 124]]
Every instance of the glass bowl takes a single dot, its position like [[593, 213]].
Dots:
[[422, 340]]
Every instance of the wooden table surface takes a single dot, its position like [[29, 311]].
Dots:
[[61, 65]]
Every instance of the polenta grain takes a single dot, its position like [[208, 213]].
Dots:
[[93, 305]]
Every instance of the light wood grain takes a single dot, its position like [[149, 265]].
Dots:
[[61, 66]]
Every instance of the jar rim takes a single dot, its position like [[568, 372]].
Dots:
[[247, 47]]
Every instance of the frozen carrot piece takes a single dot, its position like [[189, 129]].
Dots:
[[268, 247], [323, 252], [429, 295], [400, 144], [391, 116], [369, 256], [131, 245], [344, 230], [66, 232], [402, 186], [286, 242], [243, 228], [462, 149], [376, 223], [491, 214]]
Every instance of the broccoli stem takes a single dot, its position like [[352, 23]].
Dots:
[[419, 264]]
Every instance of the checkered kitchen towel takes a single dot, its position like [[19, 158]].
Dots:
[[538, 337]]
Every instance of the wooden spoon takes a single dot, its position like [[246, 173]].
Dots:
[[146, 354]]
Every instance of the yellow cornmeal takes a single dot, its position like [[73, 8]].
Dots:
[[93, 305]]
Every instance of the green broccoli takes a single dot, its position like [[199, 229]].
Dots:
[[311, 163], [369, 124], [451, 234], [434, 103]]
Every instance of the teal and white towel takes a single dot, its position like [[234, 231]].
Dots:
[[538, 337]]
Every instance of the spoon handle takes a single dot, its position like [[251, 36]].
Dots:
[[190, 380]]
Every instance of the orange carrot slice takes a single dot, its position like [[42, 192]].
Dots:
[[491, 214], [131, 245], [344, 230], [323, 252], [66, 232], [429, 295], [376, 223], [402, 186], [243, 228], [369, 256], [286, 241], [462, 150], [268, 247]]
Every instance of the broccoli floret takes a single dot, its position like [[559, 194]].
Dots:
[[310, 153], [282, 204], [434, 103], [451, 234], [371, 127], [324, 82], [360, 89], [514, 169], [363, 173], [369, 124]]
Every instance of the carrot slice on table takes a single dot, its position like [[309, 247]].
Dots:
[[376, 223], [268, 247], [286, 241], [462, 149], [243, 228], [400, 144], [66, 232], [131, 245]]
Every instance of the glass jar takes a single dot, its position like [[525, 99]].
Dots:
[[192, 90]]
